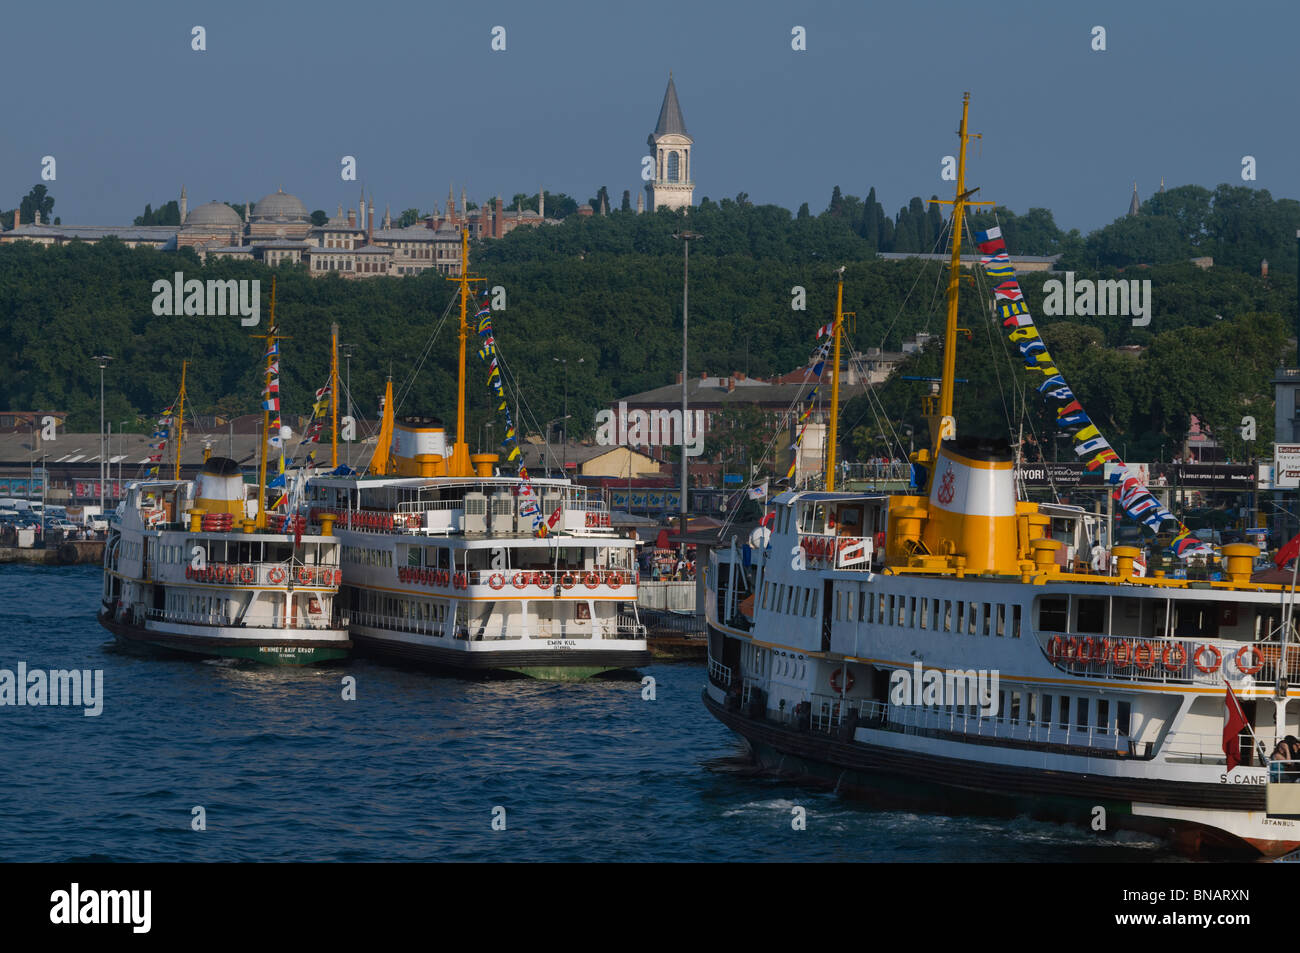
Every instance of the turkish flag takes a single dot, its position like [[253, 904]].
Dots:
[[1232, 728], [1287, 553]]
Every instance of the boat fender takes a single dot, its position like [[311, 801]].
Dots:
[[1174, 656], [1201, 666], [1249, 669], [836, 679]]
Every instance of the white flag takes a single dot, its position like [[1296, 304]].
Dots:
[[758, 492]]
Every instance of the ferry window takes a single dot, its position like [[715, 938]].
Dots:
[[911, 612], [986, 611], [1015, 708], [1045, 716], [901, 618], [1031, 699], [1081, 713], [880, 609], [1002, 620], [1015, 621], [863, 605], [1092, 615], [1103, 714], [1003, 705], [1123, 711], [972, 612], [1053, 615], [848, 606], [925, 613], [1063, 711], [947, 615]]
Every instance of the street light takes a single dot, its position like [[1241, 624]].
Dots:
[[347, 356], [102, 360], [549, 424], [686, 238], [564, 451]]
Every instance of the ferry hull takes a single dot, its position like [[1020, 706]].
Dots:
[[565, 665], [267, 651], [897, 778]]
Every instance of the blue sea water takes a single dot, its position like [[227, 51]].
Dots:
[[412, 770]]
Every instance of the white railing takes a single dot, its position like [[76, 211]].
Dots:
[[719, 674], [668, 596], [823, 551], [1178, 660], [476, 631]]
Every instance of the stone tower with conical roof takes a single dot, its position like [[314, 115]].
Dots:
[[1135, 203], [670, 147]]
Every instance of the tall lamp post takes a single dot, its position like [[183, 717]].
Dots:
[[564, 451], [102, 360], [347, 356], [686, 238]]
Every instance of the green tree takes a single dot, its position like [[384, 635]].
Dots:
[[37, 200], [319, 217]]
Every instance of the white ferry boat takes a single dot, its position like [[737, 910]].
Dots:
[[980, 661], [187, 569], [445, 563]]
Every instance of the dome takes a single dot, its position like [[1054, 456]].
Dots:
[[280, 207], [217, 214]]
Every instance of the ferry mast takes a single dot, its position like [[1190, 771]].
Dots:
[[942, 422]]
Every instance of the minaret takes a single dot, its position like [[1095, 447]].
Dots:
[[1162, 183], [498, 225], [671, 147], [370, 221], [640, 202], [541, 202], [184, 204], [388, 218], [451, 205], [361, 210], [464, 207], [1134, 205]]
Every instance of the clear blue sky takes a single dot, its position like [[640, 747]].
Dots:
[[413, 90]]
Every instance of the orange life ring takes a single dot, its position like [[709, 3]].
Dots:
[[275, 576], [1056, 648], [1084, 652], [1103, 651], [1150, 658], [835, 679], [496, 580], [1174, 648], [1207, 669], [520, 580], [246, 574], [189, 571], [1259, 660], [462, 581], [1123, 653], [544, 580], [304, 576], [591, 580], [338, 576], [615, 580], [568, 581]]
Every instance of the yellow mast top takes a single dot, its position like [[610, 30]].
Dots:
[[271, 336], [459, 463], [938, 428], [835, 382], [180, 423]]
